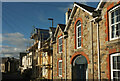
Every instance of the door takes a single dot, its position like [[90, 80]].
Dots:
[[79, 68]]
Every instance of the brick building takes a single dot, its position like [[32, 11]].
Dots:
[[88, 47]]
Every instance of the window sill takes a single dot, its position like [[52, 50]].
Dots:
[[114, 41], [60, 75], [60, 52], [79, 47]]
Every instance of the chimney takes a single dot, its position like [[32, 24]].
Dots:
[[67, 14]]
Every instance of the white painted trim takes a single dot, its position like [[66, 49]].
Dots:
[[56, 31], [99, 5], [58, 68], [87, 73], [75, 60], [98, 52], [93, 19], [114, 8], [65, 60], [109, 14], [83, 9], [59, 45], [75, 5], [60, 60], [77, 35], [69, 18], [111, 63]]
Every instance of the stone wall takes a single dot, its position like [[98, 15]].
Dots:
[[107, 46], [89, 45]]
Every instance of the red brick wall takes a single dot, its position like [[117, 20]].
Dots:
[[79, 53], [81, 32], [111, 51], [58, 67], [107, 22], [58, 43]]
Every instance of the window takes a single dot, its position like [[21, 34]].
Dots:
[[115, 67], [78, 34], [60, 45], [44, 71], [60, 68], [114, 19]]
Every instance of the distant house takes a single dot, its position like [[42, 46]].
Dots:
[[25, 61], [9, 65], [4, 60], [46, 52], [39, 35]]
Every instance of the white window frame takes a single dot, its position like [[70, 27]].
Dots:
[[60, 61], [43, 54], [60, 45], [44, 71], [110, 25], [111, 61], [77, 34]]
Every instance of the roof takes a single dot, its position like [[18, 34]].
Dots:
[[44, 34], [88, 8], [61, 26], [4, 59]]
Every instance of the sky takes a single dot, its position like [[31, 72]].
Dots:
[[18, 19]]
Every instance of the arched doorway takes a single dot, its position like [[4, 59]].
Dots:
[[79, 68]]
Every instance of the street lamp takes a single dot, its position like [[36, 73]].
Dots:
[[51, 20]]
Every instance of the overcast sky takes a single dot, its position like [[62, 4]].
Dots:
[[19, 17]]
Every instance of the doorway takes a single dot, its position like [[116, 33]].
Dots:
[[79, 68]]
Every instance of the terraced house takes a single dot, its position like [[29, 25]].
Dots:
[[38, 35], [88, 46], [45, 53]]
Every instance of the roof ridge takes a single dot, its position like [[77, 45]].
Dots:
[[84, 5]]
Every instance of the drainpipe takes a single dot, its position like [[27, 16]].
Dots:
[[98, 49], [92, 60], [65, 61]]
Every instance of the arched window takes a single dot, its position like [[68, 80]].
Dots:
[[78, 34]]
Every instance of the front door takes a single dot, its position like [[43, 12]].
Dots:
[[79, 68]]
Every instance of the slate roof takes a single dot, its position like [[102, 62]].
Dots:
[[44, 34], [88, 8], [62, 26]]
